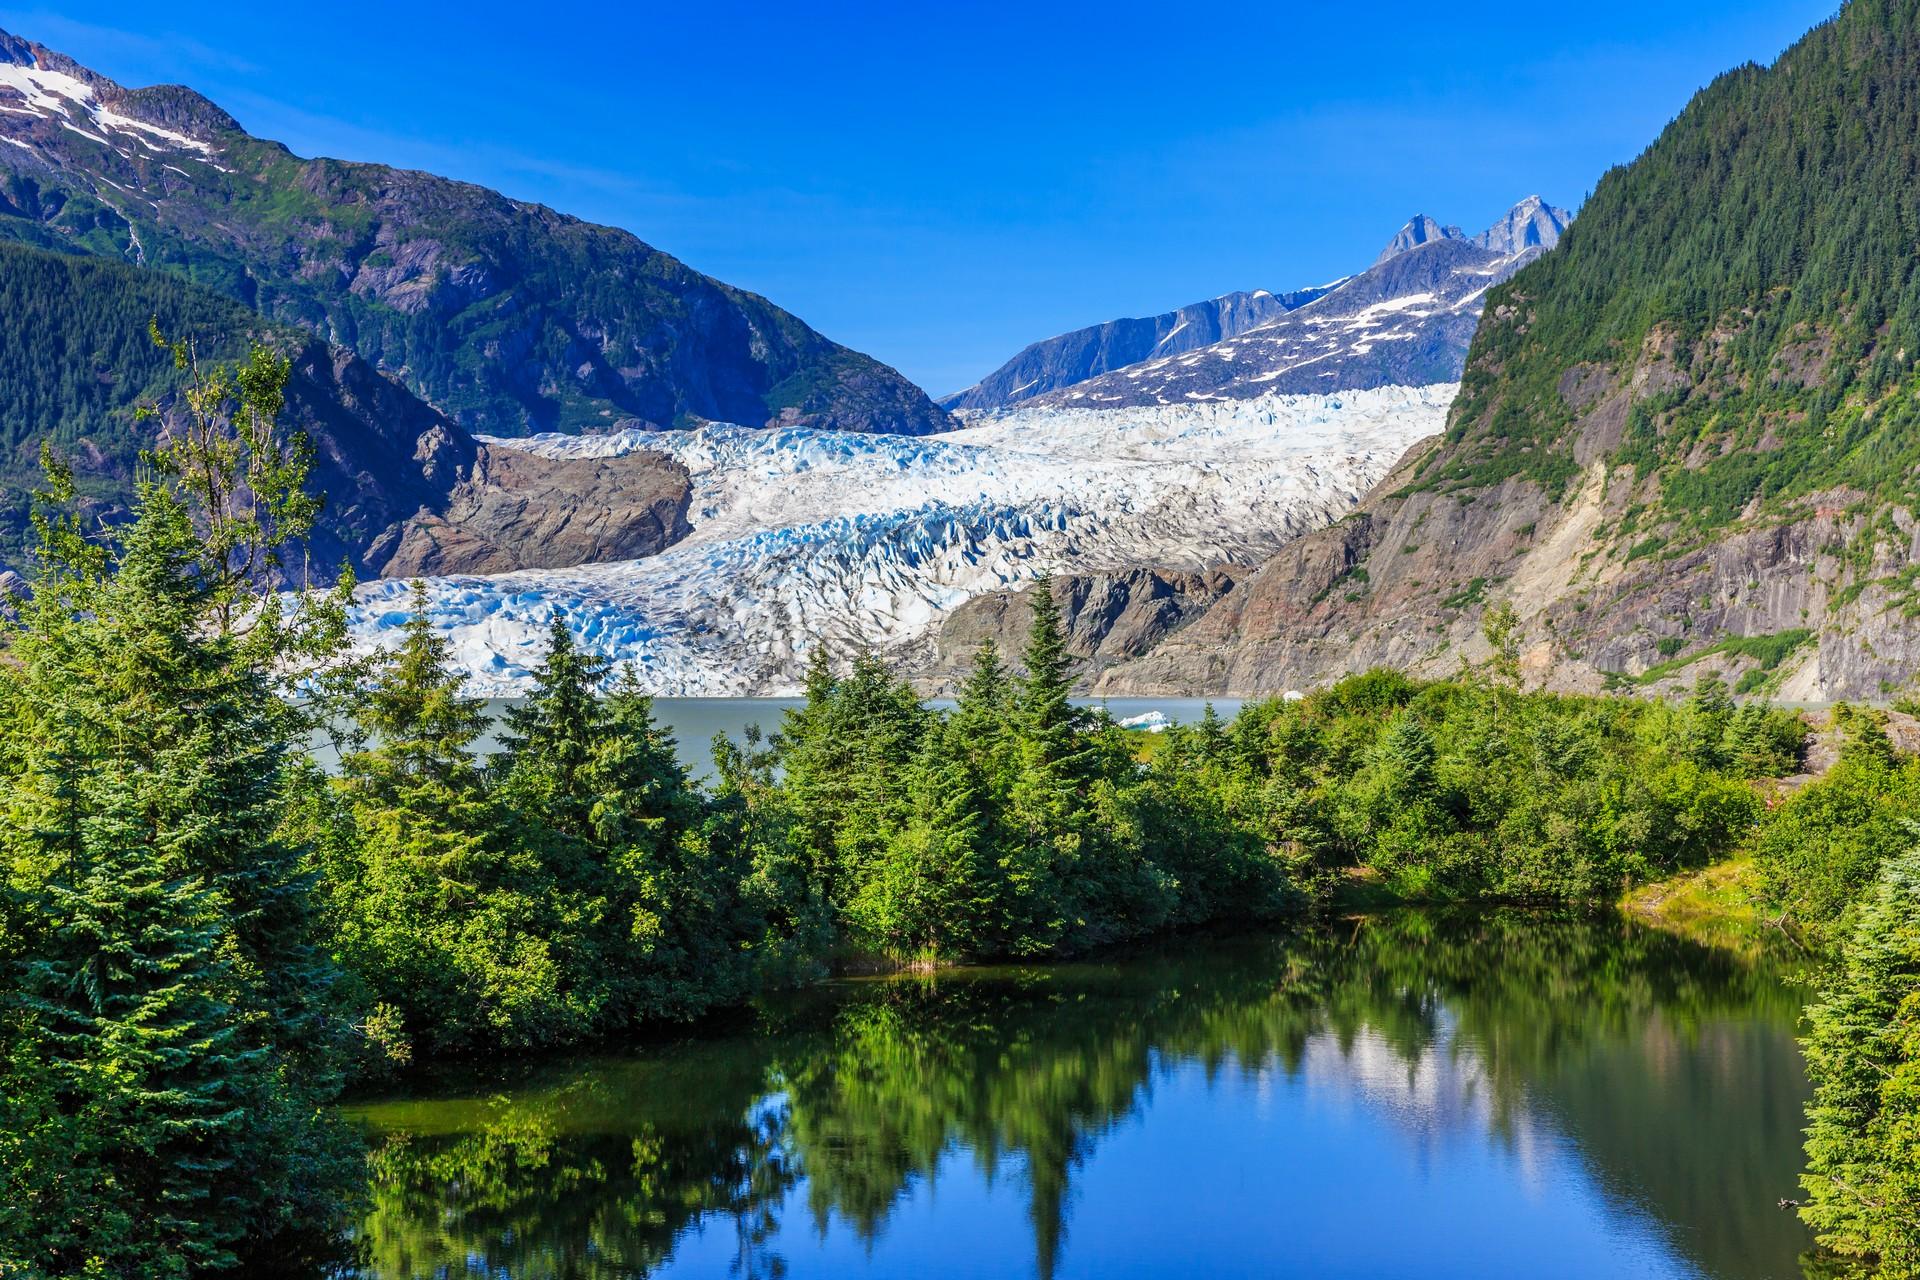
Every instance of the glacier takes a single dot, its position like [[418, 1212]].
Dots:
[[804, 536]]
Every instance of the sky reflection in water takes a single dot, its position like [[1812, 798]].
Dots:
[[1414, 1095]]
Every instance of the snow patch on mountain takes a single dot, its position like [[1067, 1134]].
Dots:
[[804, 536], [56, 96]]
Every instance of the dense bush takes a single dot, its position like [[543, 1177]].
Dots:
[[1462, 789], [1824, 845]]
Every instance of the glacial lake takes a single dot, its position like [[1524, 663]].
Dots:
[[1428, 1096], [693, 722]]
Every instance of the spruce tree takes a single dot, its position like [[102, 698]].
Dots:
[[845, 755], [640, 791], [146, 1057], [1211, 737], [1049, 796], [981, 734], [675, 934], [550, 736], [1056, 758], [419, 728], [881, 722], [1863, 1056], [983, 710], [182, 1025], [1407, 755], [814, 758], [1709, 716], [935, 895]]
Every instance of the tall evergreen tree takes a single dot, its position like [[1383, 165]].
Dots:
[[983, 711], [1048, 722], [184, 1026], [550, 736], [1863, 1056], [1049, 800], [936, 895], [678, 934], [814, 758], [146, 1057], [844, 755]]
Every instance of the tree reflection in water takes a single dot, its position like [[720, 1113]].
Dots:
[[1670, 1066]]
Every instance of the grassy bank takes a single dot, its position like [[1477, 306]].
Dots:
[[1719, 906]]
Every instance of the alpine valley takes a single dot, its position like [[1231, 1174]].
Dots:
[[1151, 488], [537, 415], [1248, 494]]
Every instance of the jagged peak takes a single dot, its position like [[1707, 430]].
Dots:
[[1530, 224], [1419, 230]]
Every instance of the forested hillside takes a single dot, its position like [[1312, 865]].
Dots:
[[1685, 437], [405, 488]]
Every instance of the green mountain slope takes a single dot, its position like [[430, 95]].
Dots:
[[507, 316], [1688, 439], [406, 489]]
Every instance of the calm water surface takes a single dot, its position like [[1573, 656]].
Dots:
[[1407, 1095], [694, 721]]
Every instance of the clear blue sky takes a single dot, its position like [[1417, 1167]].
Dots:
[[941, 183]]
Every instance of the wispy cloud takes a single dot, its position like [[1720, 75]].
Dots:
[[140, 49], [312, 133]]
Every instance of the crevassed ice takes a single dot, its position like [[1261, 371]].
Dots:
[[803, 536]]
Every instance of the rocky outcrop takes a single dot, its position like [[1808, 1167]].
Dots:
[[1813, 605], [515, 510], [508, 316], [410, 493], [1419, 230], [1531, 224], [1108, 617]]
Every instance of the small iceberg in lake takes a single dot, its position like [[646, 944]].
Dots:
[[1148, 722]]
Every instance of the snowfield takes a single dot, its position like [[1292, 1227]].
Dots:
[[803, 536]]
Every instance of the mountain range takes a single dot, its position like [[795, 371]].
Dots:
[[506, 316], [1680, 435], [1087, 353], [1404, 321]]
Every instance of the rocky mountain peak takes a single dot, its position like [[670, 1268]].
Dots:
[[1531, 224], [16, 51], [36, 81], [1419, 230]]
